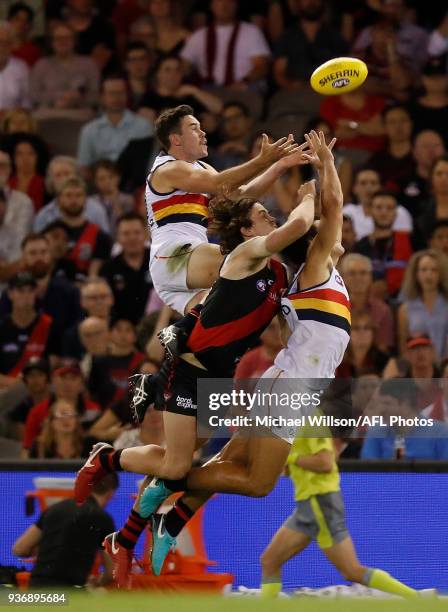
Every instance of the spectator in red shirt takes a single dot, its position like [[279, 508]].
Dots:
[[68, 384], [355, 119], [255, 362], [21, 17]]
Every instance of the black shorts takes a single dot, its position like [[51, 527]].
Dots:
[[180, 391]]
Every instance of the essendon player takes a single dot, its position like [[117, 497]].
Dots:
[[243, 301]]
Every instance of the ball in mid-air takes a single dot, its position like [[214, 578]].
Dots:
[[339, 75]]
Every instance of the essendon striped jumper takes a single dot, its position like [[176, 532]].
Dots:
[[234, 315], [319, 319], [189, 211]]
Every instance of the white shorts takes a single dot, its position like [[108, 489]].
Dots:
[[168, 268], [281, 383]]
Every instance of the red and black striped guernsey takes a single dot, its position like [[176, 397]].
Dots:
[[234, 315]]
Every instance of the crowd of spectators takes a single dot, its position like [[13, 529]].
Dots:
[[81, 84]]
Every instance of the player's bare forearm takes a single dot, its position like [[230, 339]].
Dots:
[[259, 185], [298, 223], [331, 189]]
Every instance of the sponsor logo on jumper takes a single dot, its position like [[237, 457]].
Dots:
[[261, 285], [185, 402], [340, 77]]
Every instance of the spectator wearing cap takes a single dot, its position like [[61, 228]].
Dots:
[[109, 375], [16, 217], [356, 271], [67, 384], [24, 333], [36, 378], [438, 240], [107, 136], [430, 111], [415, 189], [60, 168], [438, 409], [365, 185], [68, 537], [57, 237], [65, 81], [14, 73], [425, 300], [396, 398], [128, 272], [420, 364], [97, 300], [436, 207], [88, 245], [389, 250], [21, 17], [395, 162], [228, 52], [55, 295]]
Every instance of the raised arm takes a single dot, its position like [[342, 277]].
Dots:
[[330, 225], [297, 224], [181, 175], [259, 185]]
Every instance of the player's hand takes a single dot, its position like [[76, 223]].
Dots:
[[307, 189], [320, 152], [272, 152], [297, 158]]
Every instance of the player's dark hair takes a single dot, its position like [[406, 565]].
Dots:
[[110, 482], [227, 220], [131, 216], [168, 122], [294, 255]]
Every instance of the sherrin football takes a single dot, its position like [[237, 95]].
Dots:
[[339, 75]]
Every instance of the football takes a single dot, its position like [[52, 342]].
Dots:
[[339, 75]]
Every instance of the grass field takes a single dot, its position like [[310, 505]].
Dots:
[[134, 602]]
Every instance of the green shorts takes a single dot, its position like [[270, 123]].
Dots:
[[321, 517]]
